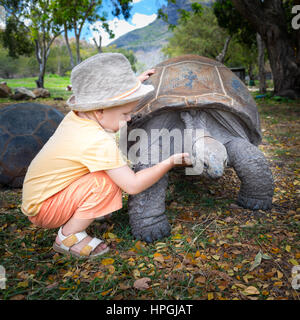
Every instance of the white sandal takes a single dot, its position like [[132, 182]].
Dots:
[[72, 239]]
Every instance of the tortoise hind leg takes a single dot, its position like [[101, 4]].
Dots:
[[253, 170], [146, 211]]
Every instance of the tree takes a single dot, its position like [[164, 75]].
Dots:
[[199, 33], [272, 19], [40, 26], [16, 38], [237, 26], [73, 14], [98, 30], [127, 53]]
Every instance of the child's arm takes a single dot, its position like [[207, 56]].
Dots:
[[134, 183]]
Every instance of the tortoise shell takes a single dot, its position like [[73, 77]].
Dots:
[[192, 81], [24, 129]]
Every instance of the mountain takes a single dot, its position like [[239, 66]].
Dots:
[[147, 42]]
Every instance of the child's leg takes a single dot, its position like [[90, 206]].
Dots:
[[91, 196], [75, 225], [76, 207]]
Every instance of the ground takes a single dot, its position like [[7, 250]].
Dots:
[[217, 250]]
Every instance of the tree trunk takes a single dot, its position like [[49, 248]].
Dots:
[[78, 58], [98, 46], [269, 20], [261, 64], [68, 46], [40, 81], [250, 72], [40, 58], [222, 55], [42, 67]]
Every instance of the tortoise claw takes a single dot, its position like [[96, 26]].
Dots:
[[255, 204]]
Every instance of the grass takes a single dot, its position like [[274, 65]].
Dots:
[[55, 84], [208, 255]]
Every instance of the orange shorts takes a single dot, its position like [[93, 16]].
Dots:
[[91, 196]]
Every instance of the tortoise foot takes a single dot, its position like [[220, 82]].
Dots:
[[255, 204], [153, 232]]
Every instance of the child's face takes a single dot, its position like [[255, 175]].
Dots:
[[112, 119]]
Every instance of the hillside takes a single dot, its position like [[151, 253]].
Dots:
[[147, 42]]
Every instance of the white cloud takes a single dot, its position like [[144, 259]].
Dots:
[[121, 27], [2, 17], [142, 20]]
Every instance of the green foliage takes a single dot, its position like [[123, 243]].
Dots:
[[201, 34], [16, 38], [22, 66], [231, 20], [58, 63], [73, 14], [127, 53], [7, 64]]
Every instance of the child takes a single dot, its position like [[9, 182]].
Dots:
[[80, 173]]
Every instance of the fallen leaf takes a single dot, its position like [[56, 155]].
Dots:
[[136, 273], [279, 274], [68, 274], [247, 277], [158, 257], [104, 293], [111, 269], [294, 262], [258, 258], [200, 280], [256, 261], [197, 254], [107, 261], [250, 291], [178, 266], [22, 284], [18, 297], [124, 286], [139, 246], [278, 283], [141, 284], [111, 235], [210, 295]]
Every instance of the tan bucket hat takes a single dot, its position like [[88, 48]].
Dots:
[[103, 81]]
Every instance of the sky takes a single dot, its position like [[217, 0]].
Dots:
[[143, 13]]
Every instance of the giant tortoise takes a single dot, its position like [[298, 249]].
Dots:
[[194, 92], [24, 129]]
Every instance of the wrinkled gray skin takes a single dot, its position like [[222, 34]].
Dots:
[[225, 143]]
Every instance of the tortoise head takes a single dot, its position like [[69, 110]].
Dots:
[[209, 156]]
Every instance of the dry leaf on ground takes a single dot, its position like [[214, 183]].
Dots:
[[141, 284]]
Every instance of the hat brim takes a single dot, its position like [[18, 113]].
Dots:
[[136, 96]]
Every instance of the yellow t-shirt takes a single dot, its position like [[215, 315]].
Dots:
[[77, 147]]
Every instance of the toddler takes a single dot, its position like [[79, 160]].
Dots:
[[80, 173]]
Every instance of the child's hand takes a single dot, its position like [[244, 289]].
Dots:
[[181, 160], [146, 75]]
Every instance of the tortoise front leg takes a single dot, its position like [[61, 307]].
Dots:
[[146, 211], [254, 172]]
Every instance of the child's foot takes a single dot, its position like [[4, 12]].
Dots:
[[78, 247]]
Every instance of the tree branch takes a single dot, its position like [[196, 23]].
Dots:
[[253, 11], [86, 16]]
